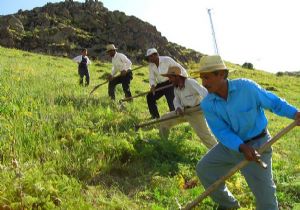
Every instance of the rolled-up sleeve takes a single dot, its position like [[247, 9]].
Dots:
[[177, 101], [77, 59], [273, 103], [152, 80]]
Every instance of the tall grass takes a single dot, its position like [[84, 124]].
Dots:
[[63, 149]]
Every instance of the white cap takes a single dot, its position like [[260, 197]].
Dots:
[[151, 51], [110, 47]]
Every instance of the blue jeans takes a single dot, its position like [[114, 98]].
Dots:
[[219, 160]]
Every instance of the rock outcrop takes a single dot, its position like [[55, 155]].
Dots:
[[66, 27]]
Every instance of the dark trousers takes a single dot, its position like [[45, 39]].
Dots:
[[124, 80], [151, 99], [84, 72]]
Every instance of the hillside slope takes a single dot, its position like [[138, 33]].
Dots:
[[61, 149]]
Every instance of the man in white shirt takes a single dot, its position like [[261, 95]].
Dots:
[[188, 93], [83, 62], [159, 65], [120, 63]]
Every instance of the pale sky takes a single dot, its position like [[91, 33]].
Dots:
[[263, 32]]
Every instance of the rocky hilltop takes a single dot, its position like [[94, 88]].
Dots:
[[64, 28]]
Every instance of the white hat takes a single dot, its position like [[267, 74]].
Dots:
[[110, 47], [210, 64], [174, 71], [151, 51]]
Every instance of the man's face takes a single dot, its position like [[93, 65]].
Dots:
[[152, 58], [211, 81], [84, 52], [173, 80], [111, 53], [177, 81]]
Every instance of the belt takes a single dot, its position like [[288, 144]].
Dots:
[[262, 134]]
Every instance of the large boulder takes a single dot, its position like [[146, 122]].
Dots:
[[6, 37], [15, 24]]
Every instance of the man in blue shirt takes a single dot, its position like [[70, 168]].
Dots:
[[234, 110]]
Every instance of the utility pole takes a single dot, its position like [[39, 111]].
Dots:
[[213, 33]]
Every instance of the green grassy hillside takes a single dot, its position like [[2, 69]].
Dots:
[[61, 149]]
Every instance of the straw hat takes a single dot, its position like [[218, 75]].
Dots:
[[151, 51], [211, 63], [110, 47], [174, 71]]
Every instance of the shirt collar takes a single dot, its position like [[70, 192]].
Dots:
[[231, 88]]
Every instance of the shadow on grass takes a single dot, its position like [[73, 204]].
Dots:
[[82, 102], [100, 64], [103, 76], [133, 172], [140, 74], [119, 124], [114, 116], [78, 102]]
